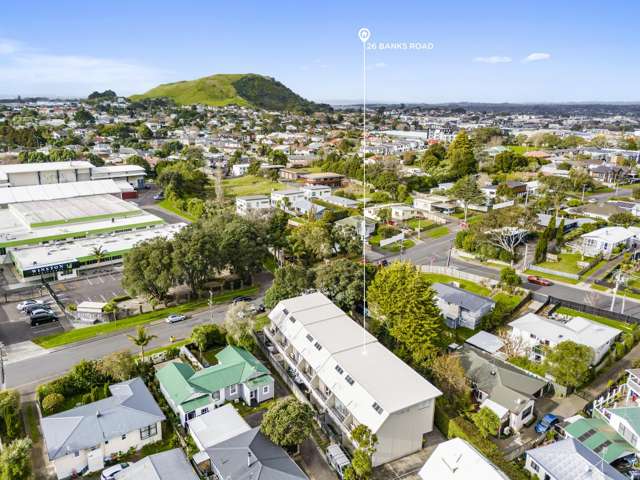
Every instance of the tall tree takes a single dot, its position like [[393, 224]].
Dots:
[[342, 281], [196, 255], [288, 422], [460, 156], [467, 190], [487, 422], [15, 460], [402, 298], [568, 363], [289, 281], [450, 378], [506, 228], [148, 269]]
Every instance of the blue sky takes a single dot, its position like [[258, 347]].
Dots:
[[582, 50]]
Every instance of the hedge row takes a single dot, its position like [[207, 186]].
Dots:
[[462, 428]]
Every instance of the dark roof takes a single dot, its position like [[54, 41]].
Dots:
[[458, 296], [268, 461]]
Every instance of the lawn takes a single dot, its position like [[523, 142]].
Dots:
[[32, 422], [169, 205], [250, 185], [567, 262], [394, 247], [436, 232], [521, 149], [465, 284], [625, 327], [423, 223], [176, 344], [86, 333]]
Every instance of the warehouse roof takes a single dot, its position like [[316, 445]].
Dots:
[[54, 191]]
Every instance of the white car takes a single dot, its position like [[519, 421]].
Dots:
[[175, 317], [22, 305], [110, 473]]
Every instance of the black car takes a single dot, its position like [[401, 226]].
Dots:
[[242, 299], [38, 317]]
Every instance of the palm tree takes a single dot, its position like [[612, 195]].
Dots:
[[99, 252], [141, 339]]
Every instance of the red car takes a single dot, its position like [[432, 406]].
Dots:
[[539, 281]]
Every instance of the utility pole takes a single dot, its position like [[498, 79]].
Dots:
[[449, 256], [3, 357], [211, 306], [583, 189], [615, 292]]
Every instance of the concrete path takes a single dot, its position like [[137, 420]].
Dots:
[[314, 463]]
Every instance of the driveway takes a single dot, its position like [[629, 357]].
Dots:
[[407, 468]]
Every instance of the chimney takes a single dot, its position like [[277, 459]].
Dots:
[[248, 459]]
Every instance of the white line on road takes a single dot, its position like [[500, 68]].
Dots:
[[103, 299], [89, 281]]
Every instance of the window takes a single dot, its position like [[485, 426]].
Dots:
[[76, 454], [124, 437], [339, 369], [204, 410], [292, 320], [149, 431], [233, 389], [526, 412], [285, 311], [265, 389], [349, 380], [534, 466], [377, 408], [216, 395], [309, 337], [318, 346]]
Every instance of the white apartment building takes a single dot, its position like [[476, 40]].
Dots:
[[316, 191], [280, 198], [353, 378], [252, 203]]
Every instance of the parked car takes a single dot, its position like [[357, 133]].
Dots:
[[256, 308], [547, 423], [29, 309], [38, 317], [539, 281], [22, 305], [175, 318], [110, 472], [337, 459], [159, 196], [241, 299]]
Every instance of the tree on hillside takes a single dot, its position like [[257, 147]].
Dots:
[[569, 362], [560, 233], [83, 117], [402, 298], [144, 132], [278, 157], [139, 161], [149, 269], [460, 156], [467, 190], [288, 422], [342, 281]]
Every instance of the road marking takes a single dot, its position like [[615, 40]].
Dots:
[[103, 299], [101, 279], [89, 281]]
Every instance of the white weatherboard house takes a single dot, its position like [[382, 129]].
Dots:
[[540, 331], [252, 203], [81, 439], [280, 198], [458, 460], [352, 383], [604, 240]]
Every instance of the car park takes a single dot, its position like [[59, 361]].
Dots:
[[27, 303], [175, 318], [35, 306], [539, 281], [547, 423], [39, 317], [109, 473]]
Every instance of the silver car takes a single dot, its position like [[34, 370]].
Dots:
[[175, 318]]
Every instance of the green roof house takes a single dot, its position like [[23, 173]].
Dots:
[[237, 375], [598, 436]]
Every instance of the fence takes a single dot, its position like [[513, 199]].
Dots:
[[581, 307], [434, 217], [557, 273], [453, 272]]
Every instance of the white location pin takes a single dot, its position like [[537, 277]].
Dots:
[[364, 34]]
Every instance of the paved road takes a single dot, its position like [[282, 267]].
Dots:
[[436, 252], [26, 375]]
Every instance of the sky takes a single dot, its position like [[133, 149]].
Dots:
[[470, 51]]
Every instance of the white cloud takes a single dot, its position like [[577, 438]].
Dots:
[[492, 59], [536, 57], [28, 71]]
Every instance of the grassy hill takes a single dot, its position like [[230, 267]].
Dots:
[[234, 89]]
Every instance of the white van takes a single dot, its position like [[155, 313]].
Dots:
[[337, 459]]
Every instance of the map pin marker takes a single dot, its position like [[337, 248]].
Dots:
[[364, 34]]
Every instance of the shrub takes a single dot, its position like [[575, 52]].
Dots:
[[52, 403]]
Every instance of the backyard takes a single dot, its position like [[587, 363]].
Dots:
[[250, 185]]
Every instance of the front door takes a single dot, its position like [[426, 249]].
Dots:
[[253, 397]]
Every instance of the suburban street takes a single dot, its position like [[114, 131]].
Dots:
[[27, 374]]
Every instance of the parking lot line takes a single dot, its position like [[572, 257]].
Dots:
[[89, 281], [103, 299], [101, 279]]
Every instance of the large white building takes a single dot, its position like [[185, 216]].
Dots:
[[353, 378], [538, 331]]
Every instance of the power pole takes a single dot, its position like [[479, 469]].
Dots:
[[211, 306], [3, 357]]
